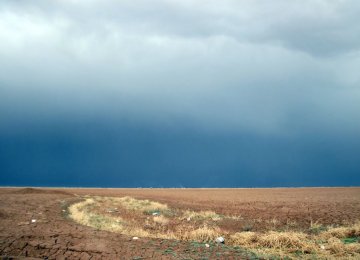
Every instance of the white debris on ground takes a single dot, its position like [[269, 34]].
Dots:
[[135, 238], [156, 214], [207, 245], [33, 221], [188, 219], [114, 210], [220, 240], [322, 247]]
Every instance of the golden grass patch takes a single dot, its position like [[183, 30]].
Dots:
[[202, 234], [161, 220], [325, 245], [200, 215], [141, 205], [81, 213], [341, 232]]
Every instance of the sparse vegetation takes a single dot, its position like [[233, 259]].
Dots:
[[324, 244], [140, 205], [145, 218], [137, 219], [203, 234], [201, 215]]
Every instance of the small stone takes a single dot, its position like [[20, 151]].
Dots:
[[220, 240], [207, 245], [33, 221], [322, 247], [135, 238], [23, 223], [156, 214], [188, 219]]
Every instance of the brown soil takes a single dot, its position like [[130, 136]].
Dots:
[[55, 236], [40, 191]]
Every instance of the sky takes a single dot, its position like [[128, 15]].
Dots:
[[170, 93]]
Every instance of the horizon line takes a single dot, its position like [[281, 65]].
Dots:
[[277, 187]]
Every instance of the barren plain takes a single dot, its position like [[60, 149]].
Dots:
[[70, 223]]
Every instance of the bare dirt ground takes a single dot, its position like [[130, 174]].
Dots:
[[54, 236]]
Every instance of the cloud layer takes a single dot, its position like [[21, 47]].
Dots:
[[244, 64], [277, 69]]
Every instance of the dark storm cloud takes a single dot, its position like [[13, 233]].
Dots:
[[285, 69], [245, 64]]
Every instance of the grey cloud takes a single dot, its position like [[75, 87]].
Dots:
[[247, 65], [319, 28]]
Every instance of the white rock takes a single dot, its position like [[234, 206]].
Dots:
[[322, 247], [220, 240], [135, 238], [156, 214], [33, 220], [207, 245], [188, 219]]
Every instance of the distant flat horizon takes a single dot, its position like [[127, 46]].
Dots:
[[69, 187]]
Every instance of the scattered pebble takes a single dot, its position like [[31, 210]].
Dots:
[[156, 214], [23, 223], [188, 219], [135, 238], [220, 240], [207, 245], [33, 220], [322, 247]]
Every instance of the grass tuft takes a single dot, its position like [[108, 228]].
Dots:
[[203, 234]]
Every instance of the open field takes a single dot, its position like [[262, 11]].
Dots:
[[180, 223]]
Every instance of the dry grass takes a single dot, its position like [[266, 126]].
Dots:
[[273, 222], [85, 213], [141, 205], [291, 241], [81, 213], [202, 234], [327, 243], [201, 215], [161, 220], [341, 232]]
